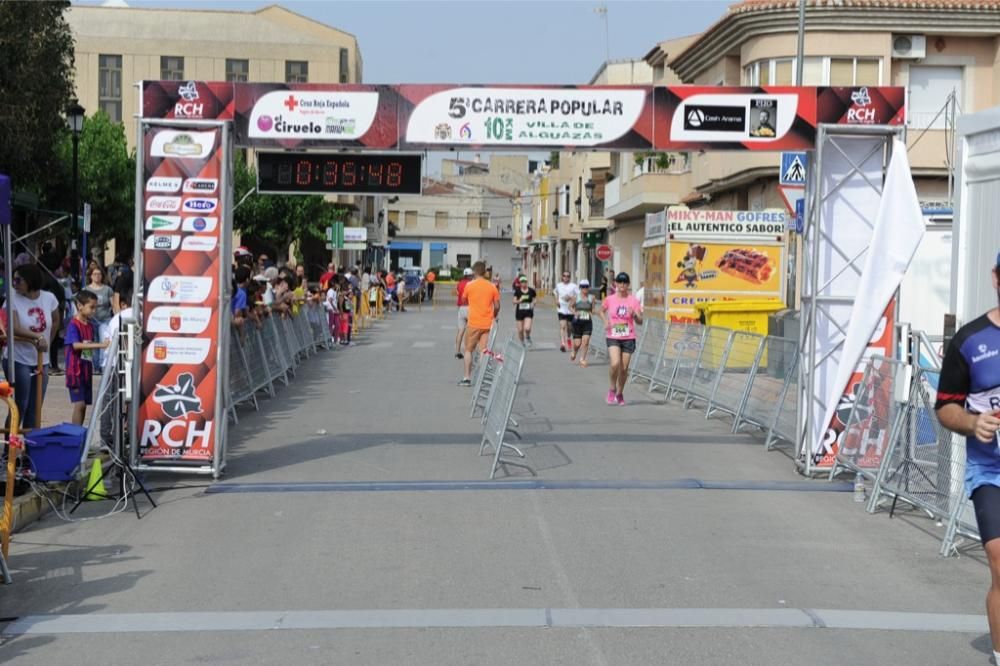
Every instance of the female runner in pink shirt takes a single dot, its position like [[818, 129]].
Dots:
[[622, 312]]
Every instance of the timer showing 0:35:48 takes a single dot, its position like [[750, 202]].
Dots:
[[316, 173]]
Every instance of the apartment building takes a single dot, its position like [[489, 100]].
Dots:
[[466, 215], [944, 52], [117, 46]]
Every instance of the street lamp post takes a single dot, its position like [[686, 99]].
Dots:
[[74, 120]]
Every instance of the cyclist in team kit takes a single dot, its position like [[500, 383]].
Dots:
[[622, 311], [524, 310], [583, 326]]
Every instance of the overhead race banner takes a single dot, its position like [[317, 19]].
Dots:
[[722, 255], [518, 117], [183, 199]]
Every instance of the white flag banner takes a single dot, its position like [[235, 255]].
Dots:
[[899, 228]]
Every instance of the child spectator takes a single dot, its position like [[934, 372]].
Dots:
[[80, 346]]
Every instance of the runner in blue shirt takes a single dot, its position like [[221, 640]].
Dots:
[[968, 403]]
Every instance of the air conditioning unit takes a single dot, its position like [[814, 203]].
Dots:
[[909, 46]]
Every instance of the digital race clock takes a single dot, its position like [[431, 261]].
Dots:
[[338, 173]]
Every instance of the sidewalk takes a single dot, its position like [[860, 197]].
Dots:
[[637, 557]]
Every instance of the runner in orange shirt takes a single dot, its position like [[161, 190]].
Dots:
[[430, 285], [484, 304]]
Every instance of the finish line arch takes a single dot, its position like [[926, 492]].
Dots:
[[184, 201]]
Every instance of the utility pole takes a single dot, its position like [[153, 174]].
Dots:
[[603, 11], [800, 55]]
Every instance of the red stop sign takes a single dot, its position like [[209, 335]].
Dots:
[[604, 252]]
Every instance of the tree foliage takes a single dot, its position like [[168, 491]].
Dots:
[[36, 86], [280, 220], [107, 178]]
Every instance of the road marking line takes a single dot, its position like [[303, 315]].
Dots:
[[545, 618], [527, 484]]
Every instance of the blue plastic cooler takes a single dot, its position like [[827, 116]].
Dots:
[[55, 451]]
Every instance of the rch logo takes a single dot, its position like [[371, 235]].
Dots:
[[862, 113], [291, 102], [180, 399], [188, 109]]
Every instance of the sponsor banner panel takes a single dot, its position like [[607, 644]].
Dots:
[[544, 116], [881, 344], [292, 115], [457, 117], [655, 293], [177, 409], [722, 255]]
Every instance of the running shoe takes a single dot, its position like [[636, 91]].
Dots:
[[620, 398], [611, 398], [583, 363], [459, 356], [465, 382], [562, 348], [527, 342]]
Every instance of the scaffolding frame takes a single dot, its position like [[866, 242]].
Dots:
[[819, 300]]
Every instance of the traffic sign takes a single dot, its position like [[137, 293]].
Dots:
[[793, 168], [800, 216], [603, 252], [790, 194]]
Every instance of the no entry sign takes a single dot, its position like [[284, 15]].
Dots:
[[603, 252]]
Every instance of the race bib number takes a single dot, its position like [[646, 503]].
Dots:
[[619, 330], [87, 355], [583, 316], [525, 307]]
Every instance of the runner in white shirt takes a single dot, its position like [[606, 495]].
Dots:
[[566, 294]]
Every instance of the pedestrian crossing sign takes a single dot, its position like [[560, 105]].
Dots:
[[793, 168]]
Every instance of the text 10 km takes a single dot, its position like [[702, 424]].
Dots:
[[346, 174]]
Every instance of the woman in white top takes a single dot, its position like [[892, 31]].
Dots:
[[103, 314], [35, 316]]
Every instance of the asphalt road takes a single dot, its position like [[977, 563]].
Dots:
[[633, 556]]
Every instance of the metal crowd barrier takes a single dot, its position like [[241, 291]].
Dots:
[[924, 465], [598, 341], [873, 419], [736, 374], [500, 404], [485, 369], [261, 356], [715, 348], [687, 353], [648, 349], [771, 399]]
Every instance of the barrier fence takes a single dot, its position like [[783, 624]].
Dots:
[[924, 465], [747, 376], [259, 356]]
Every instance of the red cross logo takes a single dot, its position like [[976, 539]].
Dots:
[[291, 102]]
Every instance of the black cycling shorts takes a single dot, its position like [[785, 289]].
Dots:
[[627, 346], [565, 317], [582, 328], [521, 315], [986, 500]]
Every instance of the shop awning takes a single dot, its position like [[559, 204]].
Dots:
[[406, 245]]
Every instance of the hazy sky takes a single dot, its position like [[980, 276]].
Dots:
[[491, 41]]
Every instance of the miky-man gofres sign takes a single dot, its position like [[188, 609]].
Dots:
[[497, 117]]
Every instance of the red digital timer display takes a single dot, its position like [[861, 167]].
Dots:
[[339, 173]]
